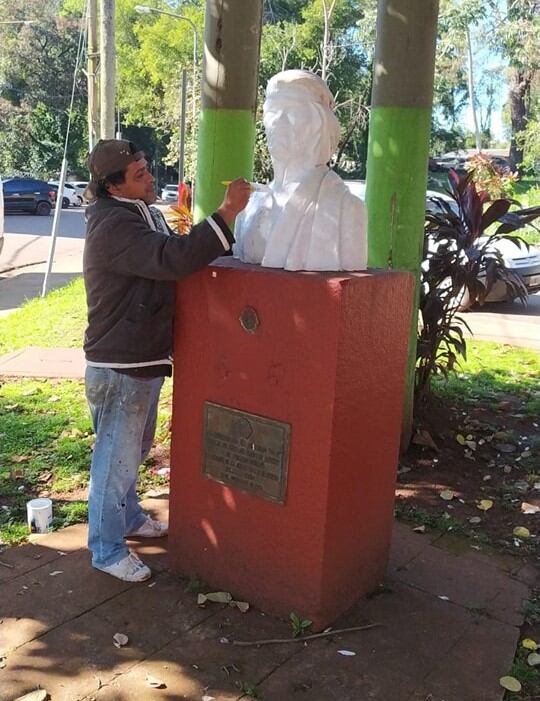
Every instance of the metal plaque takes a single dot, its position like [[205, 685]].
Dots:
[[246, 451]]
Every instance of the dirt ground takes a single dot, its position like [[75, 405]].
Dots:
[[475, 471]]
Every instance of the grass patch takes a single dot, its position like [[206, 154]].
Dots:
[[528, 676], [492, 372], [441, 523], [59, 319], [45, 448], [46, 439]]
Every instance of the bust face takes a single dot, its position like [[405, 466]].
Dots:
[[293, 127]]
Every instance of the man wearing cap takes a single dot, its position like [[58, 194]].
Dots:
[[130, 266]]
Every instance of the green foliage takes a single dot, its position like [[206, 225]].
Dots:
[[460, 269], [36, 73], [497, 181], [299, 625], [59, 319]]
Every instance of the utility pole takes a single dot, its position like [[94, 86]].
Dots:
[[229, 98], [398, 147], [107, 69], [92, 69]]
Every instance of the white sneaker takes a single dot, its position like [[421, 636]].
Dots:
[[150, 529], [129, 569]]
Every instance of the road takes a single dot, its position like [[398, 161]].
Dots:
[[27, 239]]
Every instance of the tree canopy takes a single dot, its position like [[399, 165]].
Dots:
[[37, 63]]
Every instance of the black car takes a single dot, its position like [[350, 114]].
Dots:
[[28, 195]]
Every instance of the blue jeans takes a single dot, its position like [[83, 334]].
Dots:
[[124, 411]]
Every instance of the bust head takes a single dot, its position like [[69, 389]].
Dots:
[[299, 120]]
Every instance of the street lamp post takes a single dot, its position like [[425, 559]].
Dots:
[[145, 9]]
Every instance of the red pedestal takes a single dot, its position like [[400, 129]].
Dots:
[[328, 358]]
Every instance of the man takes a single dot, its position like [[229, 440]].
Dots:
[[130, 267]]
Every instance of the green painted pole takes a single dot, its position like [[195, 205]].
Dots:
[[398, 147], [229, 98]]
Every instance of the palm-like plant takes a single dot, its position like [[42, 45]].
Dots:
[[461, 264]]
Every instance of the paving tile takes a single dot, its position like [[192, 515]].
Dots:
[[465, 581], [320, 673], [24, 559], [411, 620], [196, 663], [158, 610], [406, 545], [35, 603], [44, 362], [474, 665], [71, 661], [66, 539]]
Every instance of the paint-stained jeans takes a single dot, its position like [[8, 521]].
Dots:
[[124, 411]]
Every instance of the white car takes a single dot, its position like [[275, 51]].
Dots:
[[169, 193], [80, 186], [516, 257], [70, 196]]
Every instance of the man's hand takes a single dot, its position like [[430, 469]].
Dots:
[[236, 198]]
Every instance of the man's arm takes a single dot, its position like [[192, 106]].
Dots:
[[135, 249]]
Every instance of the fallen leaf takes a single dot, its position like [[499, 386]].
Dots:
[[521, 532], [447, 494], [242, 606], [347, 653], [44, 477], [53, 574], [475, 520], [154, 682], [208, 698], [120, 639], [19, 458], [505, 447], [529, 644], [37, 695], [471, 444], [461, 439], [510, 683], [54, 398], [527, 508], [217, 597], [419, 529], [443, 597], [533, 659], [484, 504], [423, 437]]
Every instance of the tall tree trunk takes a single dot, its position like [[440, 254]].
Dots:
[[520, 83]]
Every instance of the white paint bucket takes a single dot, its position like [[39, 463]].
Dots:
[[39, 514]]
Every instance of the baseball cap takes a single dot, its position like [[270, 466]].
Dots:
[[107, 157]]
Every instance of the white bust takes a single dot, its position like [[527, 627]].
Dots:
[[306, 218]]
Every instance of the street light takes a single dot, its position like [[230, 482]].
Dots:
[[145, 10]]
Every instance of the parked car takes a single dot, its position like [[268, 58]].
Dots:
[[517, 258], [80, 186], [1, 216], [70, 196], [169, 193], [28, 195]]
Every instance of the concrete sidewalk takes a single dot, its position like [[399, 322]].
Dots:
[[449, 625], [23, 266]]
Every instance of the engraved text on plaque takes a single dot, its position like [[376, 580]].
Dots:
[[246, 451]]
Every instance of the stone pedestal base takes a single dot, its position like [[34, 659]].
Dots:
[[324, 354]]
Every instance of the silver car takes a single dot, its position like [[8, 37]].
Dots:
[[170, 193], [516, 257]]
